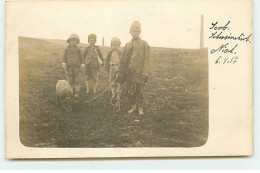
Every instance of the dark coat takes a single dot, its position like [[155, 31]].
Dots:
[[73, 58], [135, 62]]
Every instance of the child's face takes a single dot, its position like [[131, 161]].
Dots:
[[115, 45], [73, 42], [92, 42], [135, 32]]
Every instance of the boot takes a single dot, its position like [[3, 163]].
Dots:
[[140, 111], [77, 91], [133, 109]]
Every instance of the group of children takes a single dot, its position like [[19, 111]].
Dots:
[[132, 66]]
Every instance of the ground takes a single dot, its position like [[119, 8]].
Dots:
[[176, 103]]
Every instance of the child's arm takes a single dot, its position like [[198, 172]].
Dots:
[[147, 62], [81, 59], [122, 54], [64, 59], [84, 55], [100, 54], [107, 64]]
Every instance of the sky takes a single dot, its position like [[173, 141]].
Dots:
[[164, 23]]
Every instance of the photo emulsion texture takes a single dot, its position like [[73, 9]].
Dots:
[[97, 111]]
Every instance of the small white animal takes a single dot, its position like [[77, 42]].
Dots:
[[64, 93]]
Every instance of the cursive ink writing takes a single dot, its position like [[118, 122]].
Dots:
[[226, 60], [215, 27], [241, 37], [224, 49], [224, 32]]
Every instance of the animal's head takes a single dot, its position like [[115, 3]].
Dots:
[[67, 105]]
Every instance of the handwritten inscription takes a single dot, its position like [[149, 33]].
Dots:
[[227, 52], [226, 60], [224, 48]]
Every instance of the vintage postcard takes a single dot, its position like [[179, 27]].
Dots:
[[100, 79]]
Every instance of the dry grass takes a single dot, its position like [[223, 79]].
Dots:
[[176, 103]]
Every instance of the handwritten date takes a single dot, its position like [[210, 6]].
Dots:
[[226, 60]]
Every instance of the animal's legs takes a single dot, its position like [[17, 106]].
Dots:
[[58, 102]]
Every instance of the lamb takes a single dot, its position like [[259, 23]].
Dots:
[[64, 93]]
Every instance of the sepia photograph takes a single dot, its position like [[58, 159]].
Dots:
[[110, 87], [128, 79]]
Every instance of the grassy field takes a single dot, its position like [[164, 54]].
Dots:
[[176, 103]]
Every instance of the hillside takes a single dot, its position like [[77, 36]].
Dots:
[[176, 102]]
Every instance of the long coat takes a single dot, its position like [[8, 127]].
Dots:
[[135, 62]]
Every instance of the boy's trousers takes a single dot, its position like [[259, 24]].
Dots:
[[115, 86], [74, 80], [92, 78], [135, 93], [91, 74]]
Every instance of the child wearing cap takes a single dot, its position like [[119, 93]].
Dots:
[[111, 65], [93, 59], [73, 63], [134, 68]]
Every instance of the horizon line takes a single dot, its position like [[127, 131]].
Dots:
[[109, 46]]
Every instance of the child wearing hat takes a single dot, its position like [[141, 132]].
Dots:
[[112, 63], [134, 68], [93, 59], [73, 63]]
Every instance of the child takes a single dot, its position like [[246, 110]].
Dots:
[[73, 63], [134, 68], [112, 63], [93, 59]]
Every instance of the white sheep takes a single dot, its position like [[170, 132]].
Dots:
[[64, 93]]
